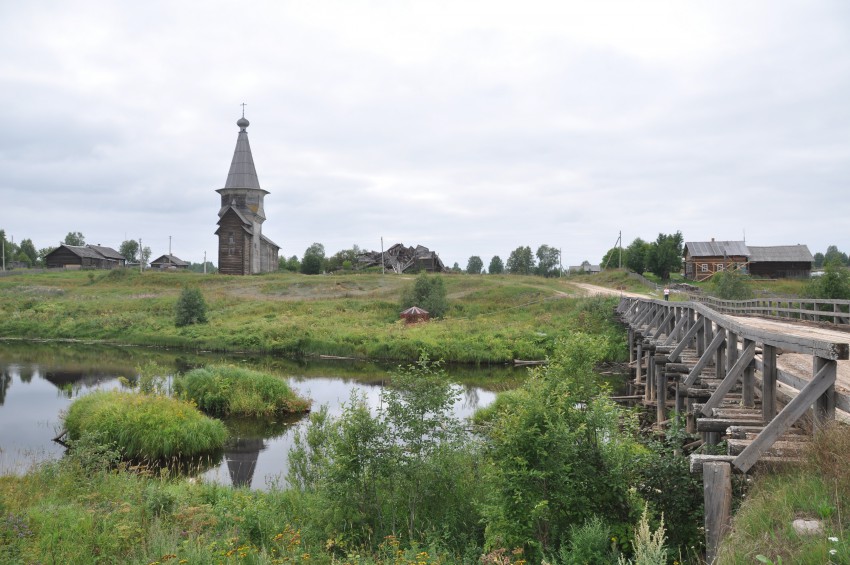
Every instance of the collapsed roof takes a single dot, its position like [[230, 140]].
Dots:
[[399, 259]]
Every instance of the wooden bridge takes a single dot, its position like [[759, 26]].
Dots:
[[724, 375]]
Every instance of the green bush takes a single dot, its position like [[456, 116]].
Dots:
[[190, 308], [225, 390], [428, 293], [729, 285], [145, 427]]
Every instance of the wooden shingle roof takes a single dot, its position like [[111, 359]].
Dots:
[[716, 248], [780, 254]]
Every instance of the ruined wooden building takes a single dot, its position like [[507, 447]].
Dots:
[[401, 259]]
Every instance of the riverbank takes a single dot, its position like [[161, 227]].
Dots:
[[491, 319]]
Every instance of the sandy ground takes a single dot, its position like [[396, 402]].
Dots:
[[593, 290]]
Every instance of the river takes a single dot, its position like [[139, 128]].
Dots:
[[38, 381]]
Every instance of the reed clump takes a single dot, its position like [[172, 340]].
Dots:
[[226, 390], [145, 427]]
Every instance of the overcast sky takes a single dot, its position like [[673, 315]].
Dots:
[[469, 127]]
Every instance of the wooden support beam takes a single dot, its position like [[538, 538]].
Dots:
[[720, 355], [671, 337], [723, 424], [683, 344], [768, 383], [662, 327], [824, 412], [730, 380], [748, 386], [704, 359], [798, 406], [717, 494]]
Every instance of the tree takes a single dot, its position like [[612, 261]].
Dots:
[[314, 259], [190, 308], [146, 255], [834, 255], [9, 248], [548, 260], [344, 258], [75, 238], [613, 258], [28, 250], [293, 265], [496, 266], [521, 261], [833, 284], [636, 252], [665, 255], [557, 453], [427, 292], [818, 260], [474, 265], [129, 249]]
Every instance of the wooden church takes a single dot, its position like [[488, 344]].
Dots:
[[242, 247]]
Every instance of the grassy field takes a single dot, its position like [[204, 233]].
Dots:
[[491, 319]]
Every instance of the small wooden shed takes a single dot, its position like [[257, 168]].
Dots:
[[415, 314]]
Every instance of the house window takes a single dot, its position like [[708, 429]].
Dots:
[[689, 267], [703, 267], [719, 267]]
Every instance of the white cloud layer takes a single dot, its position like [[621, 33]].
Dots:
[[471, 127]]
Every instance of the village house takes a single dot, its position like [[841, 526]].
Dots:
[[705, 258], [83, 257], [169, 262]]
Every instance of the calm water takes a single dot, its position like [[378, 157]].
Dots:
[[39, 381]]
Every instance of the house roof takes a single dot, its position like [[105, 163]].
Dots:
[[107, 252], [414, 311], [171, 260], [716, 248], [242, 172], [780, 253], [270, 242], [81, 251]]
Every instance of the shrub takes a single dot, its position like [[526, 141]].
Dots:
[[730, 285], [428, 292], [233, 391], [190, 308], [145, 427]]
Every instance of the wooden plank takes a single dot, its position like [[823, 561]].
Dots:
[[722, 424], [676, 329], [731, 379], [748, 384], [786, 418], [704, 359], [717, 495], [663, 325], [824, 409]]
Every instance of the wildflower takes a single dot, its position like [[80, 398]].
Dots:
[[832, 538], [833, 551]]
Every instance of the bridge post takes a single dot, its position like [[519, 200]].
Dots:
[[660, 388], [824, 409], [748, 388], [720, 356], [650, 374], [701, 343], [717, 495], [731, 350], [639, 357], [768, 383]]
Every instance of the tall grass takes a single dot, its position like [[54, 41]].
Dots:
[[817, 489], [226, 390], [491, 319], [146, 427]]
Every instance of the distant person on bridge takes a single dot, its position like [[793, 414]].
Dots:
[[666, 293]]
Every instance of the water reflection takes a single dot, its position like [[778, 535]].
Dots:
[[39, 381]]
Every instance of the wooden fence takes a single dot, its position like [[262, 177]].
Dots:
[[836, 312]]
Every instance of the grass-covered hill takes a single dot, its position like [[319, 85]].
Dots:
[[490, 318]]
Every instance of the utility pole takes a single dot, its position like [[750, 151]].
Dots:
[[382, 256], [4, 254], [620, 239], [141, 256], [205, 262], [169, 245], [560, 264]]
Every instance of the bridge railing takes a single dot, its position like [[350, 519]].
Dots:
[[836, 312]]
